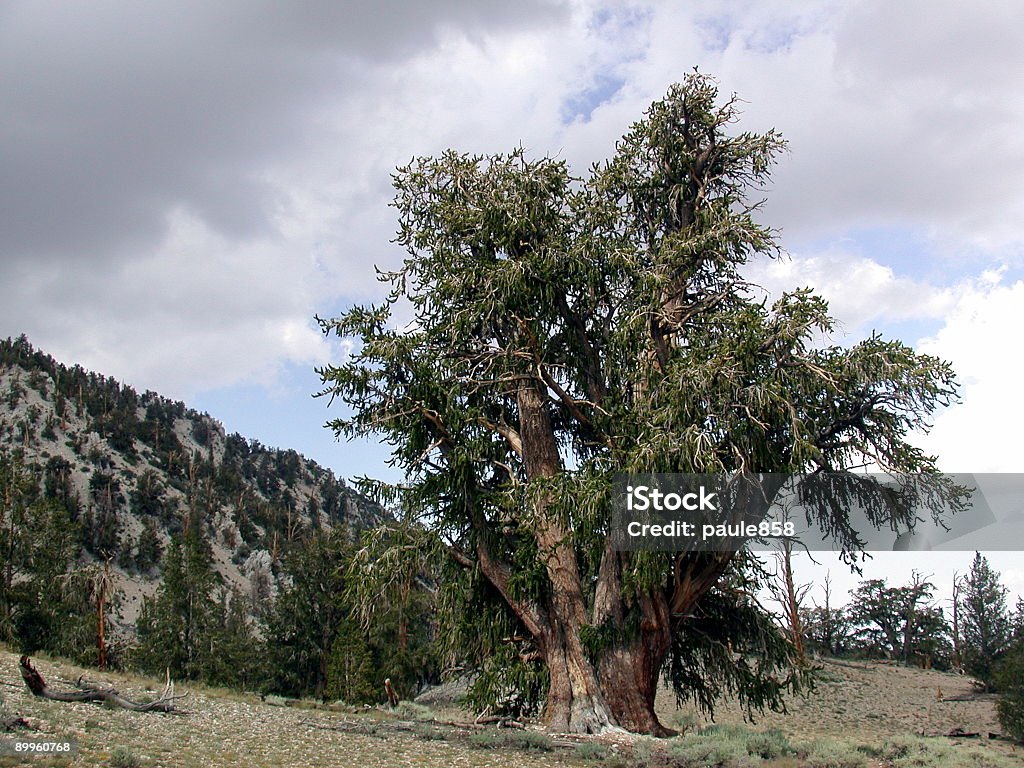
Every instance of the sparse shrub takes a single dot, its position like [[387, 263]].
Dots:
[[684, 722], [769, 744], [530, 741], [592, 751], [824, 753], [413, 711], [714, 747], [427, 732], [122, 757], [917, 752], [643, 748]]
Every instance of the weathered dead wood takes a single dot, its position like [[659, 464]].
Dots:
[[971, 696], [390, 691], [93, 692], [960, 733], [501, 722]]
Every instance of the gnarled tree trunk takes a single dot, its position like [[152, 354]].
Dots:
[[584, 697]]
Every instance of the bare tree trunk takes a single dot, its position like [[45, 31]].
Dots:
[[791, 599], [958, 660]]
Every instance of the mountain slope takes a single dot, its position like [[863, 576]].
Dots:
[[135, 469]]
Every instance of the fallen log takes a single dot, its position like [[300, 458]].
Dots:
[[92, 692], [960, 733]]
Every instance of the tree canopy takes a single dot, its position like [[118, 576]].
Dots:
[[547, 331]]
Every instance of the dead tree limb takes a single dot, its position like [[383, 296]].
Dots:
[[92, 692]]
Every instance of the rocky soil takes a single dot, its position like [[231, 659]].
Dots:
[[855, 703]]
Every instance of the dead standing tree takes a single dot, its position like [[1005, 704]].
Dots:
[[790, 597], [91, 692]]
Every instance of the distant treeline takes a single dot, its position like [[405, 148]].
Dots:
[[905, 623], [104, 491]]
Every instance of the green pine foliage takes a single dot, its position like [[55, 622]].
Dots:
[[318, 641], [235, 659], [351, 675], [309, 609], [900, 623], [44, 603], [1008, 678], [985, 622], [175, 626], [149, 549]]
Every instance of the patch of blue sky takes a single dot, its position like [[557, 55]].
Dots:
[[909, 251], [720, 31], [617, 18], [581, 105], [286, 415], [621, 31], [911, 332], [715, 31]]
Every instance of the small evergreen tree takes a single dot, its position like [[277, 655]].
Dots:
[[985, 620], [1008, 677], [232, 661], [175, 627], [351, 674], [149, 550], [309, 610]]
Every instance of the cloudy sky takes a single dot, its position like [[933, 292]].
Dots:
[[185, 184]]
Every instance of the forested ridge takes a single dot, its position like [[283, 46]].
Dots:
[[137, 532]]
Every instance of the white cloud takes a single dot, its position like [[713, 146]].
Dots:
[[862, 294], [200, 312], [187, 188], [980, 339]]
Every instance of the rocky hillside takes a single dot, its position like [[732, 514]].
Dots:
[[135, 469]]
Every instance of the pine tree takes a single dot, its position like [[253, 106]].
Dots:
[[176, 626], [985, 620], [149, 549], [42, 604], [351, 673], [569, 328], [17, 493], [310, 607], [233, 660]]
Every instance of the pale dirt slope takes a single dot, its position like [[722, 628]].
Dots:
[[863, 703]]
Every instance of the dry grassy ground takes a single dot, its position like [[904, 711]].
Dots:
[[865, 704], [869, 700]]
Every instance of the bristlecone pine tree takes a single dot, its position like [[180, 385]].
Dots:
[[564, 329]]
